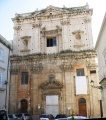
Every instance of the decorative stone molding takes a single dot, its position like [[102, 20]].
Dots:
[[51, 78], [26, 50], [78, 32], [86, 20], [17, 27], [52, 84], [36, 68], [36, 25], [65, 22], [66, 67], [92, 66], [14, 71], [25, 40], [59, 30], [78, 42], [51, 32]]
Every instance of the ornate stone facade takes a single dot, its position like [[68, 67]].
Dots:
[[52, 62]]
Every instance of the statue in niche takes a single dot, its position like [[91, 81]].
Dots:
[[51, 78], [78, 36], [25, 41]]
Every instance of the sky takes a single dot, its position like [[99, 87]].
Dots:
[[8, 9]]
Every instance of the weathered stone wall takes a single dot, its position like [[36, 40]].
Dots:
[[50, 71]]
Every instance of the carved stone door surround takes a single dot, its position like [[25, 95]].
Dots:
[[51, 87]]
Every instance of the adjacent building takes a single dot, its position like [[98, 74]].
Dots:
[[101, 52], [53, 62], [5, 51]]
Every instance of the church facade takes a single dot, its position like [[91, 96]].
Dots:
[[53, 62]]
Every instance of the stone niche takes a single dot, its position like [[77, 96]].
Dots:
[[25, 43]]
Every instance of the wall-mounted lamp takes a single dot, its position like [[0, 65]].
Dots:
[[98, 87]]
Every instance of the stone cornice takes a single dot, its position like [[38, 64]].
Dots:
[[40, 15], [47, 17], [61, 56]]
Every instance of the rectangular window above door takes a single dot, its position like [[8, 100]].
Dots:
[[80, 72]]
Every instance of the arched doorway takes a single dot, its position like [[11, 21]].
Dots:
[[24, 106], [82, 107]]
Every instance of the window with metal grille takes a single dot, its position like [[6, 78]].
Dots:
[[51, 42], [80, 72], [24, 78]]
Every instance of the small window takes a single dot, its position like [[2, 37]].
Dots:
[[93, 72], [1, 54], [51, 42], [0, 79], [80, 72], [24, 79]]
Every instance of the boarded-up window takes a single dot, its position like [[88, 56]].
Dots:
[[24, 78]]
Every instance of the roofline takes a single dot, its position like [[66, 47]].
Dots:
[[38, 11], [5, 42], [101, 31]]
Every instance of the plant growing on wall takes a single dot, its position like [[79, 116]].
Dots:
[[72, 115]]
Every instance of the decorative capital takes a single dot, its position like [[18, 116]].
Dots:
[[66, 67]]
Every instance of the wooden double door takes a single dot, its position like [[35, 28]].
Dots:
[[82, 107], [24, 106]]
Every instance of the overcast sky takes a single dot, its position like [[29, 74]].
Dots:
[[8, 9]]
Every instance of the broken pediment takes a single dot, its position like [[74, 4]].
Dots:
[[51, 85], [51, 10]]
